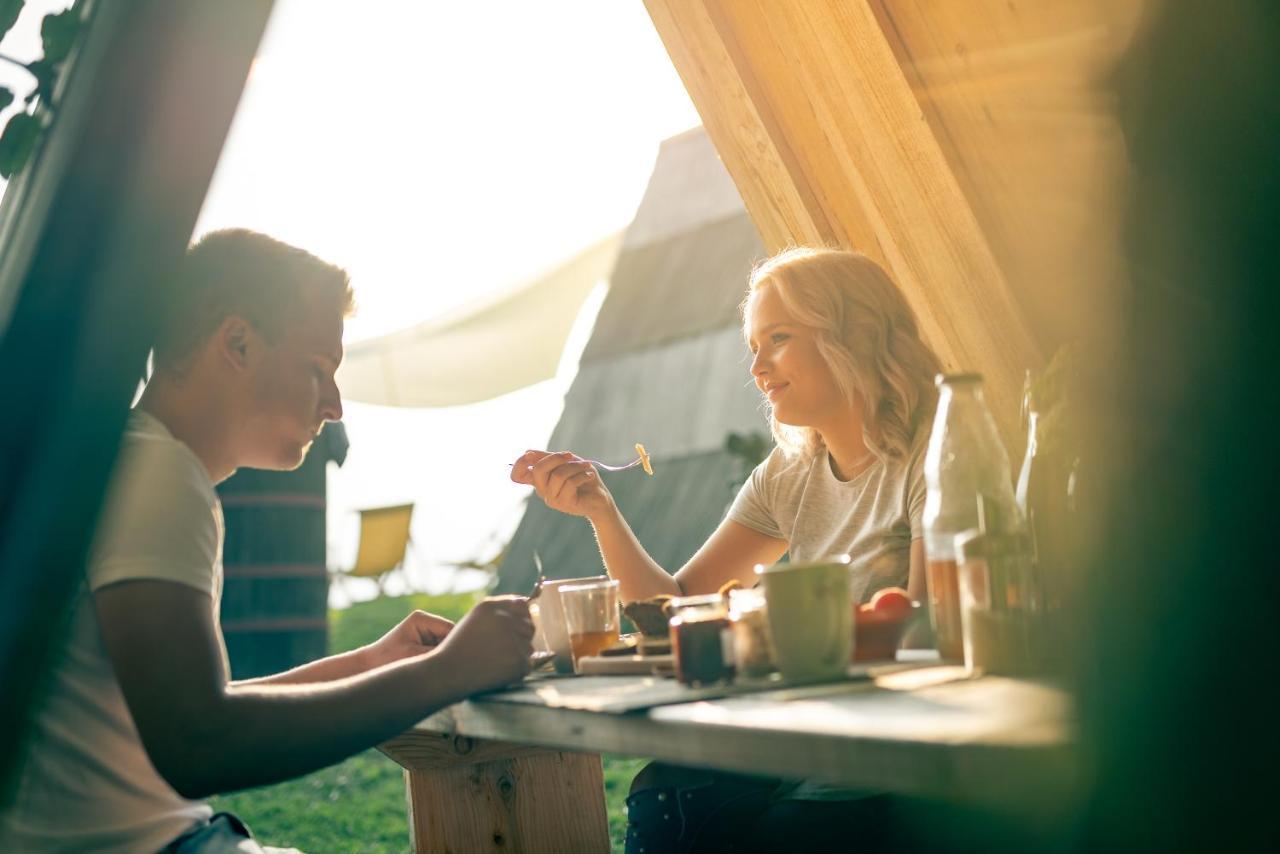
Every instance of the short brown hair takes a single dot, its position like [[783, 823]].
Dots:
[[238, 271]]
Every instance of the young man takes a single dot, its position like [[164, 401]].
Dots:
[[141, 719]]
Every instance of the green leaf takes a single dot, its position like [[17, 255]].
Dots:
[[6, 97], [58, 34], [17, 142], [43, 71], [9, 12]]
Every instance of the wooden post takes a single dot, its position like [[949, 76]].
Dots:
[[472, 795]]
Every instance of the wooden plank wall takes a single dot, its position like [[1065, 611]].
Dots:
[[965, 145]]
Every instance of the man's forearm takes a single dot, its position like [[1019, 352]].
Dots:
[[265, 733], [326, 669], [638, 575]]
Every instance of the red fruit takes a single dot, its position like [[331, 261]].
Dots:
[[891, 600]]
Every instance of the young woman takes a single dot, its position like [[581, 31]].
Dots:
[[849, 383], [838, 356]]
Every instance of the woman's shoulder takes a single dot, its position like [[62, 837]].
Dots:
[[786, 465], [781, 478], [910, 466]]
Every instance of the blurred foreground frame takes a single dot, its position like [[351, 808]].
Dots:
[[1179, 652], [90, 232]]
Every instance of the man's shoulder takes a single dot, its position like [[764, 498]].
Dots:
[[153, 462], [160, 517]]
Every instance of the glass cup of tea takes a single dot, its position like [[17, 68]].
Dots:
[[551, 619], [590, 616]]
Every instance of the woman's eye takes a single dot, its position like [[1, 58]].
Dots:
[[779, 337]]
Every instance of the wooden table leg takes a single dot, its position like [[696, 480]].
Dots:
[[469, 795]]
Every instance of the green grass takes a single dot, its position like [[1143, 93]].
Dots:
[[359, 805]]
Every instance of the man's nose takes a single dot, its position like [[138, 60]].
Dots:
[[331, 403]]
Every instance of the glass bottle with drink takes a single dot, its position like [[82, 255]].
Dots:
[[965, 460]]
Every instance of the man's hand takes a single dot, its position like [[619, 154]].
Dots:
[[492, 643], [417, 633]]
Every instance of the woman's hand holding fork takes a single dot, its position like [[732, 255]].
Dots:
[[566, 482]]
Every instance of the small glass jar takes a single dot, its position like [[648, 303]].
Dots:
[[752, 655], [999, 627], [701, 639]]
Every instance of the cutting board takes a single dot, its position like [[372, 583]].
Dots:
[[626, 665]]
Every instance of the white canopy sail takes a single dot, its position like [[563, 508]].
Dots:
[[484, 350]]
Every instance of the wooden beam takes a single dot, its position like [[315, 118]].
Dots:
[[823, 130], [1016, 95], [729, 112]]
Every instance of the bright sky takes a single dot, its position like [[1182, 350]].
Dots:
[[439, 151]]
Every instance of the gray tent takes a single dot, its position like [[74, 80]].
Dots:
[[665, 366]]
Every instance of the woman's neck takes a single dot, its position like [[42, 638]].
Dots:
[[849, 452]]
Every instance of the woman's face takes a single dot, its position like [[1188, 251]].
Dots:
[[787, 367]]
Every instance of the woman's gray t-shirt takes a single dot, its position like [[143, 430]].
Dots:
[[872, 518]]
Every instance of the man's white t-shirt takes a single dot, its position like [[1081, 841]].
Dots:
[[87, 783]]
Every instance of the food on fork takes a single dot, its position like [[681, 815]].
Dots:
[[644, 459]]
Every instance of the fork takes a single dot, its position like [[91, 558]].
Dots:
[[537, 585], [637, 461]]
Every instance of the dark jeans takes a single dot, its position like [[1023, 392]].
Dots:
[[224, 833], [682, 810], [688, 810]]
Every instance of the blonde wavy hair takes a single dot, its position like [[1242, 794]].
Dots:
[[867, 334]]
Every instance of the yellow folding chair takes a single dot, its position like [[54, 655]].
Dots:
[[384, 542]]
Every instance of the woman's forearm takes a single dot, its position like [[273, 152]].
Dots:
[[639, 577]]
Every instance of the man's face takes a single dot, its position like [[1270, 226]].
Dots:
[[292, 389]]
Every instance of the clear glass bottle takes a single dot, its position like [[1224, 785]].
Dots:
[[965, 460], [1044, 496]]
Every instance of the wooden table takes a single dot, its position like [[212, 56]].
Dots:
[[494, 775]]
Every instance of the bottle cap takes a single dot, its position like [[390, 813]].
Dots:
[[957, 379]]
